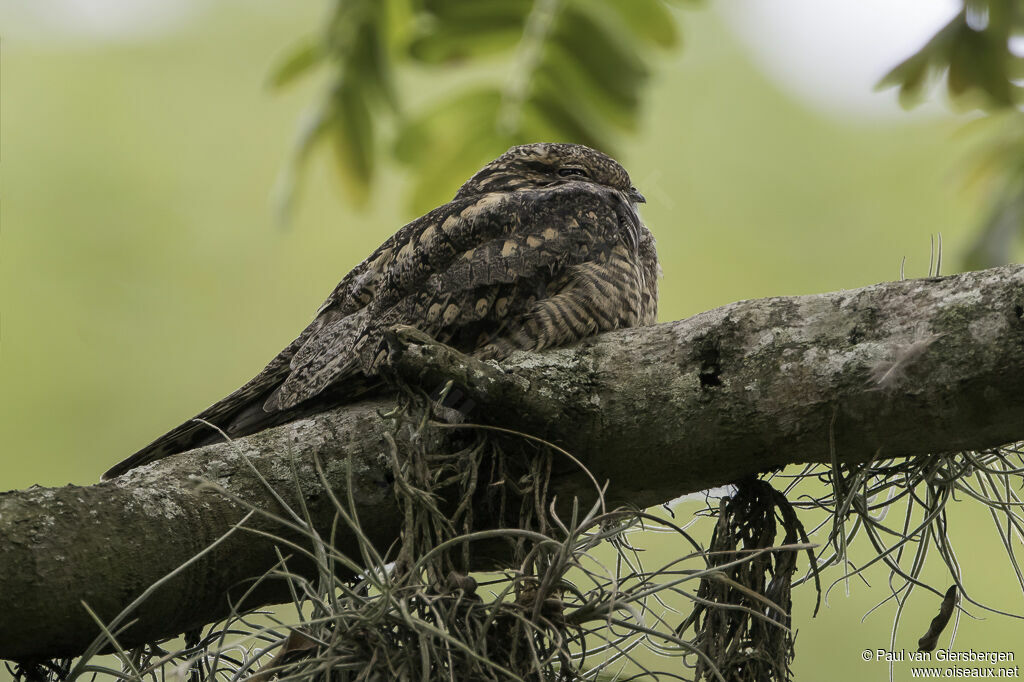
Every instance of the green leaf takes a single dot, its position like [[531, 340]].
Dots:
[[469, 28], [453, 43], [368, 61], [297, 62], [649, 20], [454, 162], [352, 138], [961, 66], [549, 117], [1015, 67], [398, 19], [977, 61], [913, 74], [570, 78], [479, 11], [444, 124], [449, 143], [610, 60], [911, 77]]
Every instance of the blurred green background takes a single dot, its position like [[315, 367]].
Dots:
[[144, 274]]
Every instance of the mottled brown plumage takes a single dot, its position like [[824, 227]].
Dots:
[[541, 248]]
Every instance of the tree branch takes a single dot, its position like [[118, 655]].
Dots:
[[893, 370]]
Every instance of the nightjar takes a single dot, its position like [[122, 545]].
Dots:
[[541, 248]]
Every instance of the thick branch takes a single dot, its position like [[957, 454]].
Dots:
[[894, 370]]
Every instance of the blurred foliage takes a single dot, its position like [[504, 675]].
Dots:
[[575, 71], [974, 53]]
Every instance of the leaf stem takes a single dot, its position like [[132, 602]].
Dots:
[[528, 54]]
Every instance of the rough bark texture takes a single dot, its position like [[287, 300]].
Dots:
[[897, 369]]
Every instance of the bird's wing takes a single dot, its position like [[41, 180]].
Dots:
[[195, 433], [241, 412], [460, 273], [463, 278]]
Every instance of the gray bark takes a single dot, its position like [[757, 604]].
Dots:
[[893, 370]]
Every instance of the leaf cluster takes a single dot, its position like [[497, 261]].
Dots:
[[974, 53], [530, 70]]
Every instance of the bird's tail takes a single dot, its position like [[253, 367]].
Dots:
[[239, 414]]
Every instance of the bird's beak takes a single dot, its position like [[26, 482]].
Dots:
[[636, 197]]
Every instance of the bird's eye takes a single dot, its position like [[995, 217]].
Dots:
[[570, 172]]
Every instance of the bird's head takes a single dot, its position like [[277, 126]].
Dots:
[[547, 164]]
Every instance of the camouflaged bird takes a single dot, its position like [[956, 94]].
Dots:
[[542, 247]]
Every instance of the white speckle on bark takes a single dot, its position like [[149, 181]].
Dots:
[[985, 329]]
